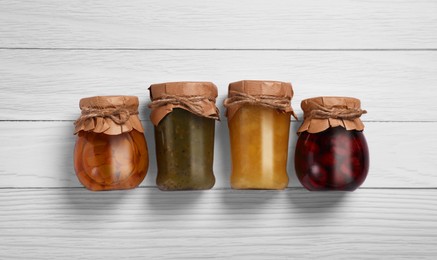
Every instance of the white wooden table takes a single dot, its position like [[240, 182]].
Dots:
[[52, 53]]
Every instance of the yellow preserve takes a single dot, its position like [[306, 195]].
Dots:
[[259, 127], [259, 142]]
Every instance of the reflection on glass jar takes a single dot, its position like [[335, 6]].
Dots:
[[184, 115], [331, 151], [259, 126], [111, 150]]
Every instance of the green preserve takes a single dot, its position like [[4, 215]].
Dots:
[[184, 115]]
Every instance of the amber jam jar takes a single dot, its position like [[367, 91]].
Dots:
[[259, 125], [184, 115], [331, 151], [111, 150]]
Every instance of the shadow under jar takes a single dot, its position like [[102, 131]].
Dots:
[[184, 115], [111, 150], [259, 125], [331, 151]]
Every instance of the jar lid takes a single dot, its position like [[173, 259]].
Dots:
[[184, 88], [196, 97], [130, 102], [262, 87], [110, 115], [320, 113], [273, 94]]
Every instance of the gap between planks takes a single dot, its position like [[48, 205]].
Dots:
[[219, 189], [299, 121], [217, 49]]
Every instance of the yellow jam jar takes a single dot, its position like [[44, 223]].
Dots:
[[259, 125]]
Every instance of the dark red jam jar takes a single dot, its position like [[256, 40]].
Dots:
[[331, 151]]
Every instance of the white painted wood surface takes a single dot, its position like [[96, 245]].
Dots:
[[223, 224], [52, 53], [264, 24], [393, 86]]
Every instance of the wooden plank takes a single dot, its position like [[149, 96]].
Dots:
[[268, 24], [47, 85], [369, 224], [40, 154]]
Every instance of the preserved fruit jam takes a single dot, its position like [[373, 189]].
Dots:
[[111, 150], [331, 151], [184, 115], [259, 125]]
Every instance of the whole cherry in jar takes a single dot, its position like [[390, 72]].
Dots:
[[331, 151]]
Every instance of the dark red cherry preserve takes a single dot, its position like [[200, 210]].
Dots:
[[331, 151]]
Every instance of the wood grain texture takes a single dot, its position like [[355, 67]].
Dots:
[[269, 24], [52, 53], [147, 223], [47, 84], [40, 154]]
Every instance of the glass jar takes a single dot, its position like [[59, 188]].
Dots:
[[259, 125], [111, 150], [331, 151], [184, 115]]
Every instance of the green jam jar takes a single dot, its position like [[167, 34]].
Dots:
[[184, 115]]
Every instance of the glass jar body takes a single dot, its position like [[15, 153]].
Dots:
[[259, 148], [185, 151], [111, 162], [335, 159]]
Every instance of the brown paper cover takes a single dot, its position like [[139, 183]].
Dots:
[[106, 124], [205, 94], [259, 88], [316, 125]]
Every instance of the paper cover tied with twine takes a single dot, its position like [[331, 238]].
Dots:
[[320, 113], [196, 97], [111, 115], [272, 94]]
